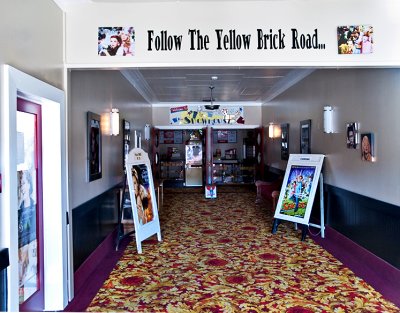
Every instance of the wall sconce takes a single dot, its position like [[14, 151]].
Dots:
[[274, 131], [328, 119], [147, 129], [139, 140], [114, 122]]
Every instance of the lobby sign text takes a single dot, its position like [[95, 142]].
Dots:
[[262, 39]]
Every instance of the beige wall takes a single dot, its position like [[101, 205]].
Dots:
[[32, 39], [368, 96], [32, 42], [98, 92]]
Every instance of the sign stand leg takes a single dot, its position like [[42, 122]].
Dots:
[[120, 228], [275, 225], [321, 205], [304, 230]]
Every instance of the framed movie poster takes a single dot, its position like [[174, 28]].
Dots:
[[368, 147], [142, 195], [305, 136], [285, 141], [352, 135], [94, 146], [299, 186]]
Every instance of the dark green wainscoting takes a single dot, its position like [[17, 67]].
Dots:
[[92, 222], [373, 224]]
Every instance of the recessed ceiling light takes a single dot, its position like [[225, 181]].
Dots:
[[214, 77]]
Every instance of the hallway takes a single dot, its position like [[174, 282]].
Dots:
[[220, 255]]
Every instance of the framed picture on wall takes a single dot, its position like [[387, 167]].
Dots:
[[368, 147], [305, 137], [285, 141], [352, 135], [116, 41], [355, 39], [94, 146]]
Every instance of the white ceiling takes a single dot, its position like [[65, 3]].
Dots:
[[234, 84]]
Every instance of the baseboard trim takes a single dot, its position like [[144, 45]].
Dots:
[[381, 275], [95, 258]]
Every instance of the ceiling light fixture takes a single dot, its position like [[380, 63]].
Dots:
[[212, 106]]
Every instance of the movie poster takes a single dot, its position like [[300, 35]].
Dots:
[[27, 235], [143, 198], [297, 191]]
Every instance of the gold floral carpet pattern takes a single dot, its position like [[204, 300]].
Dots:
[[218, 255]]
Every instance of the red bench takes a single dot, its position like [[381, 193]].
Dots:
[[268, 191]]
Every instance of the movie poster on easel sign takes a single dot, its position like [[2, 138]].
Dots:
[[142, 194], [299, 187]]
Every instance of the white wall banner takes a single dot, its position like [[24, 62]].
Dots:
[[249, 33]]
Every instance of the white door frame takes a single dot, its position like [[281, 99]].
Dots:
[[15, 83]]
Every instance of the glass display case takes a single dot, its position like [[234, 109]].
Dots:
[[233, 172], [172, 170]]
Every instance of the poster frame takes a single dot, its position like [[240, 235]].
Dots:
[[139, 158], [305, 137], [94, 155], [299, 163]]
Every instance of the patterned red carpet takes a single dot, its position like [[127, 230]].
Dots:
[[220, 256]]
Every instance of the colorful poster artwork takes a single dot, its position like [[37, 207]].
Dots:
[[185, 115], [356, 39], [116, 41], [297, 191], [143, 199]]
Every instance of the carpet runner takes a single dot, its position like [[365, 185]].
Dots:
[[218, 255]]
